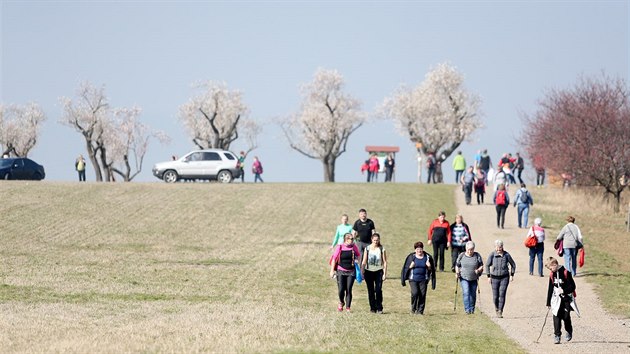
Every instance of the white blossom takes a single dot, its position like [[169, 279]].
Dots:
[[20, 127]]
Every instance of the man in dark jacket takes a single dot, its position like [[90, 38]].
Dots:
[[560, 293]]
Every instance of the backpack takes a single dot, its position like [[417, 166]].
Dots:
[[565, 277], [524, 198], [500, 200]]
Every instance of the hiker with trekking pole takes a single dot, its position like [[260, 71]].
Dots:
[[561, 299], [468, 268]]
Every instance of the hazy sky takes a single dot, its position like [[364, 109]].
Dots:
[[148, 53]]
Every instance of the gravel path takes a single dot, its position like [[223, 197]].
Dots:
[[595, 332]]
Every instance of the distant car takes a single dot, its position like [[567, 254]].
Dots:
[[21, 168], [210, 164]]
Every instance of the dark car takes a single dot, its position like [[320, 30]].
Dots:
[[21, 168]]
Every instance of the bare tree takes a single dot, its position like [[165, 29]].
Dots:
[[19, 128], [584, 131], [327, 118], [114, 138], [438, 115], [216, 116]]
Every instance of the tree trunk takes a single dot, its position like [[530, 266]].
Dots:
[[92, 155], [617, 205], [329, 169]]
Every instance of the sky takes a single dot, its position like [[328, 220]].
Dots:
[[150, 53]]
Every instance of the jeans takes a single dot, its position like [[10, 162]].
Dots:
[[418, 295], [485, 173], [536, 252], [519, 172], [499, 288], [501, 215], [540, 178], [468, 192], [242, 175], [469, 292], [430, 175], [345, 280], [523, 214], [570, 260], [374, 283], [458, 174], [257, 177], [438, 254], [82, 176], [389, 172]]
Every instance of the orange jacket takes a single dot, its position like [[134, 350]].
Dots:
[[443, 228]]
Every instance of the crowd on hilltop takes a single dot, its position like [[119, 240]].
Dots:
[[358, 254]]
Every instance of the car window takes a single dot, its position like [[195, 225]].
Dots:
[[211, 156], [5, 162], [195, 156], [18, 163], [229, 156]]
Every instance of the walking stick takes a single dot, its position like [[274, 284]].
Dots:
[[455, 300], [543, 326]]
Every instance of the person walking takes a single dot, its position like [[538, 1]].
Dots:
[[342, 266], [484, 163], [459, 165], [522, 200], [257, 170], [440, 238], [467, 180], [500, 178], [460, 235], [480, 186], [560, 290], [572, 241], [500, 267], [241, 165], [431, 163], [342, 229], [519, 166], [390, 167], [79, 165], [501, 200], [418, 268], [468, 268], [374, 167], [363, 229], [537, 251], [374, 271]]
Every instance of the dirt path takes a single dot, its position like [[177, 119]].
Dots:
[[524, 313]]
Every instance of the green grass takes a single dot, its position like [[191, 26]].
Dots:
[[209, 267], [606, 241]]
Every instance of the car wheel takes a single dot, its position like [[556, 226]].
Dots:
[[7, 177], [224, 176], [170, 176]]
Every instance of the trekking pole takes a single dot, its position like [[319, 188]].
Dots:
[[455, 300], [544, 323]]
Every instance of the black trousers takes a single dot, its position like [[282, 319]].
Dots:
[[499, 289], [501, 215], [468, 192], [455, 251], [374, 284], [345, 280], [438, 253], [480, 192], [563, 315], [418, 295]]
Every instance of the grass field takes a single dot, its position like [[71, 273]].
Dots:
[[215, 268], [606, 240]]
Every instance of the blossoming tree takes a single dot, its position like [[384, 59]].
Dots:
[[19, 128], [327, 118], [115, 139], [217, 117], [438, 115]]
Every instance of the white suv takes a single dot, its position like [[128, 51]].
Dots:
[[210, 164]]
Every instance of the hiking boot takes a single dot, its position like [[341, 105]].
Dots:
[[556, 340], [500, 314], [568, 337]]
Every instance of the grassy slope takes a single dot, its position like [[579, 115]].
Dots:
[[208, 267], [606, 240]]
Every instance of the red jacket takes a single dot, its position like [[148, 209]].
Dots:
[[443, 228]]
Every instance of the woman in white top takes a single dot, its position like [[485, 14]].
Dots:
[[374, 270]]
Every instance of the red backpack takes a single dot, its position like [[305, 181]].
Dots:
[[500, 200]]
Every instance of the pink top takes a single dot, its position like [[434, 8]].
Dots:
[[344, 247]]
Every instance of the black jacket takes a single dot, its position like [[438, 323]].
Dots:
[[404, 274], [567, 285]]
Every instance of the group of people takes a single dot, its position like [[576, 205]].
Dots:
[[373, 166], [257, 168], [357, 251]]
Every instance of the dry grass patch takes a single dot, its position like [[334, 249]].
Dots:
[[213, 268]]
